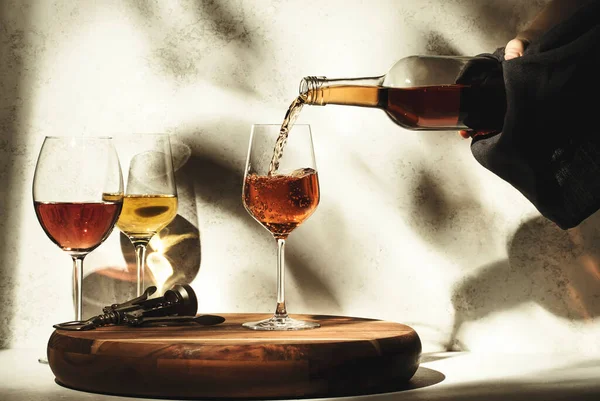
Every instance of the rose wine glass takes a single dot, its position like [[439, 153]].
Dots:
[[77, 196], [281, 190], [150, 201]]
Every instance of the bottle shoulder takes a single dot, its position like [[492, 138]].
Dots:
[[425, 70]]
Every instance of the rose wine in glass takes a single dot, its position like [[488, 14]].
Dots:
[[280, 198], [77, 197], [150, 201]]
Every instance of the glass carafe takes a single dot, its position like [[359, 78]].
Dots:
[[423, 93]]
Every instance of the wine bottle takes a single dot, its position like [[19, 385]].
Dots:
[[423, 93]]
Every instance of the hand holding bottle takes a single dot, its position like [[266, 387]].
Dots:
[[513, 49], [553, 13]]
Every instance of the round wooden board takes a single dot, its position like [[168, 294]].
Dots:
[[345, 356]]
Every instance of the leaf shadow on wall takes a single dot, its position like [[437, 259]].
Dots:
[[173, 255], [499, 20], [306, 249], [437, 44], [445, 216], [181, 51], [220, 185], [558, 270]]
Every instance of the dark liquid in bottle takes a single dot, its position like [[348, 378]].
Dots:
[[445, 107], [439, 107]]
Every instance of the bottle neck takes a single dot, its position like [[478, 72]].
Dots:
[[354, 91]]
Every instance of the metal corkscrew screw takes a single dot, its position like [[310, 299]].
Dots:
[[178, 304]]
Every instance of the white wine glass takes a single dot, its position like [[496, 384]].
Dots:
[[150, 201], [280, 200]]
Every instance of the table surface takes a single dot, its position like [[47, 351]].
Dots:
[[442, 376]]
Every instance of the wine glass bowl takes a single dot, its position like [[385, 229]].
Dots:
[[280, 191], [77, 197], [282, 202], [77, 227]]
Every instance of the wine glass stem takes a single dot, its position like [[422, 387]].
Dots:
[[280, 311], [140, 256], [77, 283]]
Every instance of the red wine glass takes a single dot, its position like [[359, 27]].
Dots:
[[77, 196]]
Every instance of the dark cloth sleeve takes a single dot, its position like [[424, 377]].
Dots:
[[549, 145]]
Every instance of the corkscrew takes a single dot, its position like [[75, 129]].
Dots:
[[178, 305]]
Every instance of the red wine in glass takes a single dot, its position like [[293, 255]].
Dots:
[[77, 226]]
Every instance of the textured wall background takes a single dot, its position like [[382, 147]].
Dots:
[[410, 228]]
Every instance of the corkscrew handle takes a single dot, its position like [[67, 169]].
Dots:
[[92, 323], [131, 303], [179, 302]]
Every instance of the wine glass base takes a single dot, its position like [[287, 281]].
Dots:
[[281, 324]]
